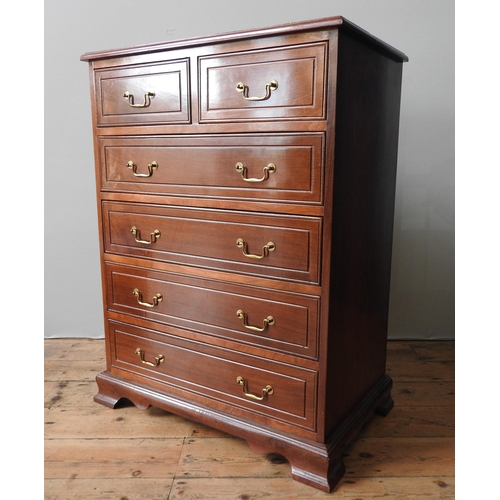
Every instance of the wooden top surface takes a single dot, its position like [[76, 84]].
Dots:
[[317, 24]]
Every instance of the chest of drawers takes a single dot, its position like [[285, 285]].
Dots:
[[245, 187]]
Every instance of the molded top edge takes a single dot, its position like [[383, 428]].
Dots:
[[316, 24]]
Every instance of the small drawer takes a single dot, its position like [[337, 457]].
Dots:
[[279, 167], [149, 94], [286, 82], [244, 382], [281, 321], [267, 245]]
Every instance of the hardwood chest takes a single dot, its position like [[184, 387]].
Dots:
[[245, 187]]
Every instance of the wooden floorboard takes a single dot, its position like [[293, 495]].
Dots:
[[93, 452]]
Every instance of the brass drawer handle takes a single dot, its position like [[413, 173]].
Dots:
[[157, 298], [137, 236], [152, 166], [243, 171], [147, 99], [269, 247], [159, 359], [243, 89], [267, 390], [269, 321]]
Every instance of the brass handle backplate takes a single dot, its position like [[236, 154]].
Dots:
[[147, 99], [267, 390], [269, 321], [267, 170], [269, 247], [243, 89], [159, 359], [152, 166], [137, 236], [157, 298]]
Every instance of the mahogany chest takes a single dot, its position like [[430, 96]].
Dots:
[[245, 187]]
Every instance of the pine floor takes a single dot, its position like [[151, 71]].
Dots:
[[93, 452]]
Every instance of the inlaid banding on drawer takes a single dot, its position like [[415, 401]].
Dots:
[[282, 83], [213, 373], [208, 166], [213, 239], [235, 312], [149, 94]]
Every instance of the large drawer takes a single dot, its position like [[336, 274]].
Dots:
[[278, 83], [274, 167], [284, 392], [286, 247], [282, 321], [146, 94]]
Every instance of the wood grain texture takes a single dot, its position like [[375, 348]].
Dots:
[[187, 237], [153, 94], [206, 166], [368, 90], [92, 452], [297, 70], [294, 330], [181, 271]]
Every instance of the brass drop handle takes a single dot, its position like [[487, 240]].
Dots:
[[147, 99], [156, 299], [269, 321], [159, 359], [269, 247], [152, 166], [267, 390], [267, 170], [137, 236], [243, 89]]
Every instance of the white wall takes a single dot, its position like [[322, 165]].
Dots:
[[422, 291]]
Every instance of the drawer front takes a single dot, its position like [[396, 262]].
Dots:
[[281, 83], [286, 168], [150, 94], [267, 245], [213, 374], [281, 321]]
